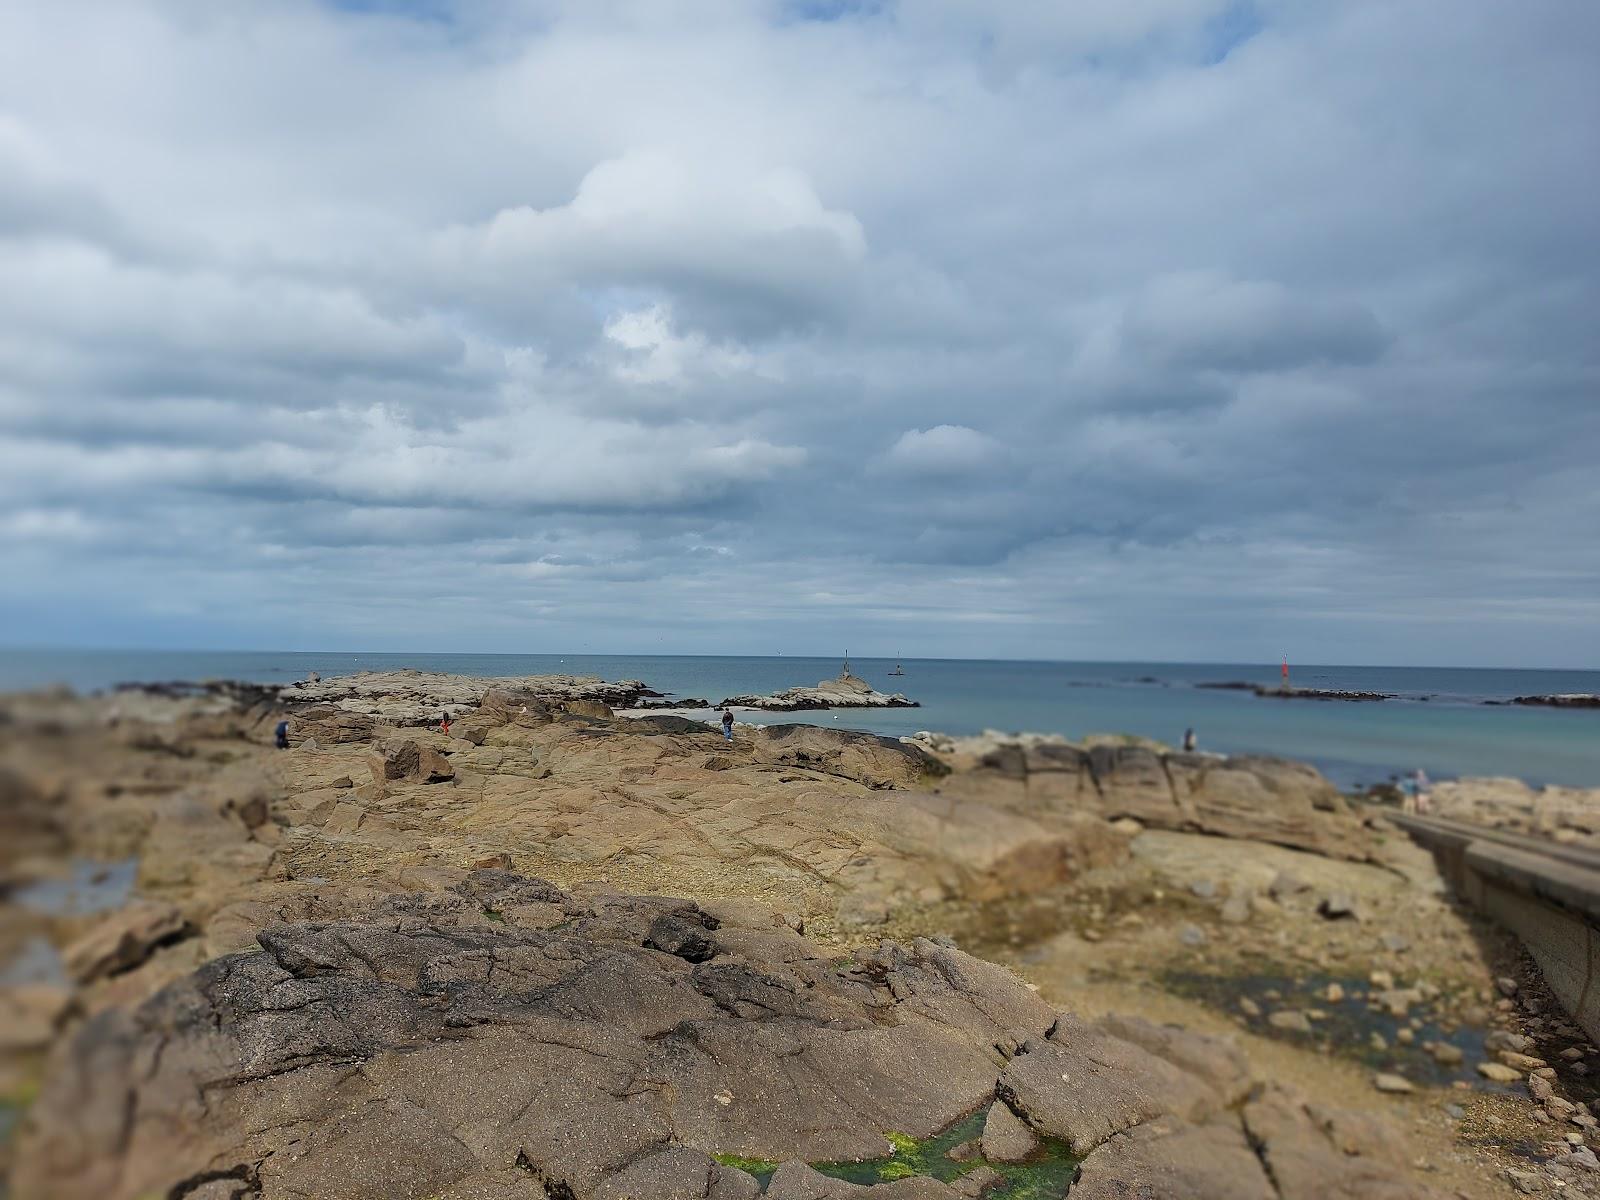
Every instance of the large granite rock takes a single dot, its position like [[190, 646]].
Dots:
[[502, 1038], [878, 762], [426, 1048], [1264, 799]]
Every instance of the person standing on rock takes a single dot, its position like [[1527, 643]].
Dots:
[[727, 724], [1188, 740], [280, 735], [444, 724]]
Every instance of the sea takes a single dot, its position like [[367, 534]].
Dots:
[[1440, 720]]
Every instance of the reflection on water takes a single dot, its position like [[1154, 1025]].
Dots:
[[92, 887]]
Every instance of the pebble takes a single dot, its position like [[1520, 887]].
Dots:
[[1507, 985], [1333, 994], [1382, 980], [1405, 1036], [1446, 1054], [1192, 935], [1249, 1007], [1498, 1072], [1386, 1082], [1394, 943], [1290, 1020], [1337, 905]]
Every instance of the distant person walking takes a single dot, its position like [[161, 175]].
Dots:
[[444, 724], [727, 724], [280, 735], [1422, 790], [1188, 740]]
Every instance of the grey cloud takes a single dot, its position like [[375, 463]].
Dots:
[[1085, 329]]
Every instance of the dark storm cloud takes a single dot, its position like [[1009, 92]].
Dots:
[[1183, 327]]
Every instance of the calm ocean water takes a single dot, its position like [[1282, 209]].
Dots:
[[1440, 723]]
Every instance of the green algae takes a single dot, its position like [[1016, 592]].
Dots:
[[761, 1168], [1047, 1175]]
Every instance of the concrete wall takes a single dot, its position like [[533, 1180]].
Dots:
[[1545, 893]]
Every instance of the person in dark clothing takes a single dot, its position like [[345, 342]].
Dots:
[[444, 724], [727, 723], [1188, 740], [280, 735]]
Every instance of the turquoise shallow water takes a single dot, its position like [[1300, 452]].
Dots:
[[1440, 723]]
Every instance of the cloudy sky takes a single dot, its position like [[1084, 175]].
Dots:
[[1194, 329]]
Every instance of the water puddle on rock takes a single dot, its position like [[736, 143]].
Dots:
[[91, 887], [38, 961], [1350, 1026], [1046, 1177]]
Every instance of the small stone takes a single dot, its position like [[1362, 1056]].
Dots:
[[1334, 993], [1127, 826], [967, 1151], [1006, 1137], [1539, 1088], [1446, 1054], [1336, 906], [1579, 1068], [1382, 980], [1387, 1082], [1394, 943], [1375, 1040], [1405, 1036], [1572, 1054], [1507, 985], [1235, 910], [1249, 1007], [1525, 1182], [1455, 1112], [1192, 935], [1498, 1072], [1521, 1062], [1290, 1021], [1205, 889], [1286, 883], [1559, 1107]]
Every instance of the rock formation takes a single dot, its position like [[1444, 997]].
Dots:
[[847, 691], [507, 1039]]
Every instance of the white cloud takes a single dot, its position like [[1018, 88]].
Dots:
[[944, 450]]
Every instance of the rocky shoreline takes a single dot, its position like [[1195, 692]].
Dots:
[[394, 963]]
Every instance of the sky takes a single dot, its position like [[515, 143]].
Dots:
[[1207, 330]]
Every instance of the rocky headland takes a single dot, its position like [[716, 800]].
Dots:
[[562, 954]]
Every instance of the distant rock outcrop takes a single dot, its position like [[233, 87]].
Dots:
[[846, 691], [421, 697]]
